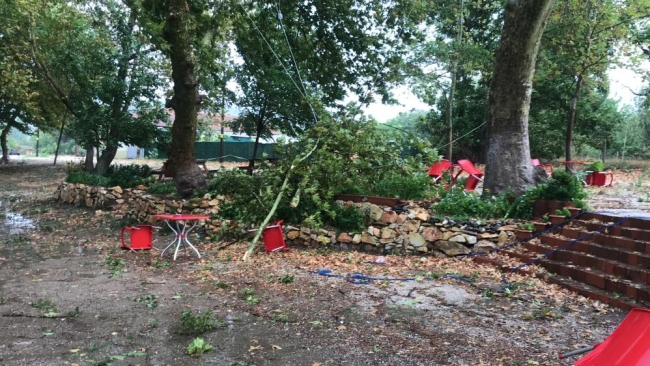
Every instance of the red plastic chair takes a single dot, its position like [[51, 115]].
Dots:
[[599, 179], [475, 175], [274, 238], [437, 169], [140, 237], [628, 345], [547, 167]]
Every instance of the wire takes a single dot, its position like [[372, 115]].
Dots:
[[279, 60], [445, 145], [294, 59]]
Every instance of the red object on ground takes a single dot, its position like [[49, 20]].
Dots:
[[475, 175], [599, 179], [140, 237], [274, 238], [437, 169], [628, 345]]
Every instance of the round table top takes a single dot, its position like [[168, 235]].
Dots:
[[175, 217]]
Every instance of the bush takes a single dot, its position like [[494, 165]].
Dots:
[[597, 166], [348, 219], [125, 176], [563, 186], [459, 204], [84, 177], [405, 186], [166, 188]]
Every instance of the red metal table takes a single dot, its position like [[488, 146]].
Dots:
[[181, 230]]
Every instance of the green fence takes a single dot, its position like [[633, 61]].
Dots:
[[232, 151]]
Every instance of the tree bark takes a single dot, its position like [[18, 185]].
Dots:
[[3, 143], [88, 161], [181, 162], [259, 128], [508, 166], [571, 119], [105, 159], [58, 142]]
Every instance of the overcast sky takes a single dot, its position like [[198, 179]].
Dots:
[[620, 81]]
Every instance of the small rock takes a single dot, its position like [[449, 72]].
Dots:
[[344, 238], [367, 238], [376, 212], [411, 225], [450, 248], [458, 238], [416, 240], [483, 246], [293, 234], [356, 239], [401, 219], [432, 234], [471, 239], [387, 233], [117, 189], [389, 217], [503, 237]]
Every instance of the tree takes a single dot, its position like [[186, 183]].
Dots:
[[508, 164], [94, 59], [454, 71], [583, 39]]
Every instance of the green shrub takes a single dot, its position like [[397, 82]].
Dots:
[[348, 219], [563, 186], [166, 188], [88, 178], [405, 186], [597, 166], [460, 204], [127, 176]]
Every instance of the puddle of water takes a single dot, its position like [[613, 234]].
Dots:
[[14, 223]]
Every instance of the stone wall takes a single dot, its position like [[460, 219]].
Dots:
[[403, 230]]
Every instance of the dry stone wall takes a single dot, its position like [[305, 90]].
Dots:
[[410, 231]]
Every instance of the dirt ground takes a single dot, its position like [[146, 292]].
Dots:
[[69, 295]]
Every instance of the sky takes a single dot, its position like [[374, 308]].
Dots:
[[620, 81]]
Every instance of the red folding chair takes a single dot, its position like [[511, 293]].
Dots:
[[437, 169], [628, 345], [475, 175], [547, 167]]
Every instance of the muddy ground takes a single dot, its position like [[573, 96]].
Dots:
[[69, 295]]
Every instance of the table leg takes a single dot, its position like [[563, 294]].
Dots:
[[188, 242], [173, 241]]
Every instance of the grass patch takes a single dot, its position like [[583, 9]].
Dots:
[[198, 324]]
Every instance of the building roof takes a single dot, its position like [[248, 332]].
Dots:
[[216, 122]]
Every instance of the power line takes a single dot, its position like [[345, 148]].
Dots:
[[445, 145], [294, 59], [279, 60]]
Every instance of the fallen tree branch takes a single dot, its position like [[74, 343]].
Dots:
[[285, 184]]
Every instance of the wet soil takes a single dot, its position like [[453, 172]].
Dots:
[[69, 295]]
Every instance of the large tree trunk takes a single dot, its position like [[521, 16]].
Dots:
[[89, 160], [3, 143], [181, 162], [508, 165], [571, 120], [105, 159]]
